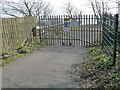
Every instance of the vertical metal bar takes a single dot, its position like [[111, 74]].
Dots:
[[97, 31], [45, 35], [76, 31], [69, 33], [89, 29], [56, 34], [86, 30], [58, 40], [44, 26], [103, 29], [55, 29], [92, 31], [44, 31], [73, 29], [63, 28], [81, 30], [39, 29], [47, 32], [59, 29], [72, 41], [52, 30], [64, 32], [115, 39]]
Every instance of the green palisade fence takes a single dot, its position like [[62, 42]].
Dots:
[[109, 35], [118, 40], [86, 33]]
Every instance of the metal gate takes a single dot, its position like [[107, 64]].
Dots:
[[79, 30]]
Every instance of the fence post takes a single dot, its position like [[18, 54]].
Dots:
[[103, 25], [115, 39], [0, 38], [0, 53]]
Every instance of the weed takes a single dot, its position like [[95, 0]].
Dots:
[[116, 75], [118, 56], [22, 49]]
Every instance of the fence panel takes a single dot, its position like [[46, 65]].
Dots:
[[15, 31], [109, 35]]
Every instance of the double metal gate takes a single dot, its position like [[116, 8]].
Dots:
[[79, 30]]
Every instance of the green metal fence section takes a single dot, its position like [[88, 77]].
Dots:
[[118, 41], [118, 37], [86, 33], [109, 35]]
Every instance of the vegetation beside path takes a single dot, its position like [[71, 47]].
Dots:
[[24, 49], [97, 71]]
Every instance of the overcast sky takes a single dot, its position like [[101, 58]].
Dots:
[[80, 4], [83, 5]]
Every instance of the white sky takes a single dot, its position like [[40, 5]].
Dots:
[[83, 5], [80, 4]]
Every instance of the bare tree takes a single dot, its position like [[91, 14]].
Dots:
[[25, 8], [99, 7], [70, 9]]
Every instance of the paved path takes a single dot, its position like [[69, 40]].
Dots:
[[46, 68]]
